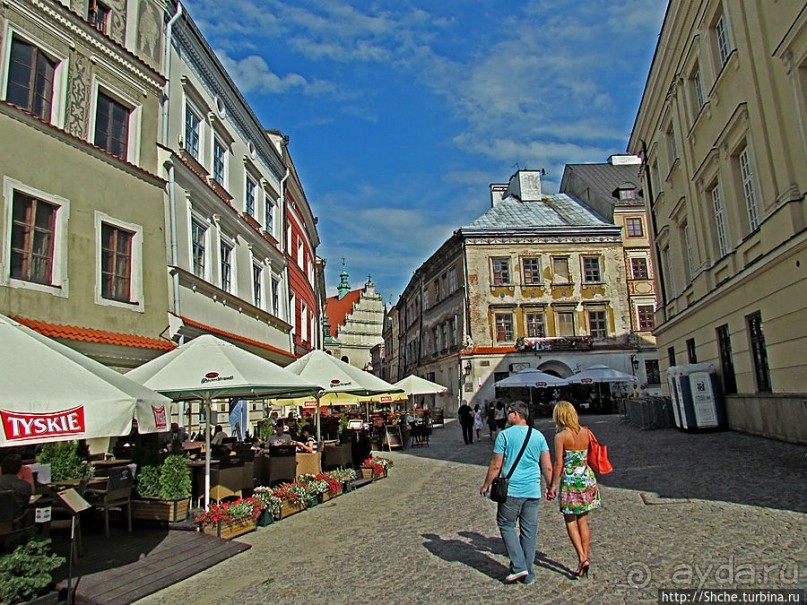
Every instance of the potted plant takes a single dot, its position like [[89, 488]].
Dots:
[[66, 464], [345, 476], [271, 505], [314, 486], [293, 498], [231, 519], [372, 469], [25, 573], [164, 492], [385, 464]]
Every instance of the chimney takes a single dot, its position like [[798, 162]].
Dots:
[[525, 185], [624, 159], [496, 193]]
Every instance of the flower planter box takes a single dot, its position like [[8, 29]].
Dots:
[[266, 518], [166, 511], [367, 473], [287, 509], [329, 496], [312, 502], [230, 529], [347, 486]]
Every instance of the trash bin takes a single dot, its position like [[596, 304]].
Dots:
[[696, 397]]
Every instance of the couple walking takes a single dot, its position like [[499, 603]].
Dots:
[[570, 478]]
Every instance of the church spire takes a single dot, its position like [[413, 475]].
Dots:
[[344, 285]]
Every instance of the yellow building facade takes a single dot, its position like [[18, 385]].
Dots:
[[722, 128]]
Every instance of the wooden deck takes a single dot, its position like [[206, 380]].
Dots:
[[127, 567]]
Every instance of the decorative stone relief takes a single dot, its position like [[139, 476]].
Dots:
[[78, 100], [117, 21], [149, 32]]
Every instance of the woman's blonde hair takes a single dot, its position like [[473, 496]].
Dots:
[[565, 416]]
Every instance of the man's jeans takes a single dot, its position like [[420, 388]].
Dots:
[[520, 549]]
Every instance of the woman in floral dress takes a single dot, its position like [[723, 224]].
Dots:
[[575, 480]]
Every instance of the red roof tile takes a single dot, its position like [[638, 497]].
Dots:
[[338, 310], [250, 341], [66, 332]]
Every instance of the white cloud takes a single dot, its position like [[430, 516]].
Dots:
[[253, 74]]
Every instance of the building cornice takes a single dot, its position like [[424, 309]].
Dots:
[[105, 46], [218, 83]]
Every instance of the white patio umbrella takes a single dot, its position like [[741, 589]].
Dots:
[[599, 373], [208, 368], [531, 378], [50, 392], [415, 385], [336, 376]]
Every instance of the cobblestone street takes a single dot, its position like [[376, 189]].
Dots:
[[715, 510]]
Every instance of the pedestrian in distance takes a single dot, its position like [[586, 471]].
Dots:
[[478, 422], [500, 415], [524, 489], [574, 481], [491, 413], [466, 416]]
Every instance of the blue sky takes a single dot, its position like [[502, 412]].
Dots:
[[402, 112]]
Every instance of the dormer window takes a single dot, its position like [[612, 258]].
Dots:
[[626, 192], [98, 15]]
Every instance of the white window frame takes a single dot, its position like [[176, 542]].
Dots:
[[749, 185], [723, 38], [225, 240], [189, 105], [452, 279], [274, 294], [203, 221], [60, 72], [249, 178], [688, 251], [269, 215], [261, 290], [59, 285], [303, 322], [135, 117], [136, 298], [218, 142], [721, 228], [300, 252]]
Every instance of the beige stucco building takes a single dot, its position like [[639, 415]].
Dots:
[[722, 128], [82, 226], [537, 281]]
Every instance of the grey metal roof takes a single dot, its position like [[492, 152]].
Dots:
[[605, 178], [554, 210]]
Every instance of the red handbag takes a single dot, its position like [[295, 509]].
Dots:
[[598, 456]]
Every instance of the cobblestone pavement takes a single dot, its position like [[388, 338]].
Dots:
[[715, 510]]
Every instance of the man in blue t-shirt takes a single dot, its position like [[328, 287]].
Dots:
[[524, 489]]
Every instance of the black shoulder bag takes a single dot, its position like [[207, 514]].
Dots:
[[498, 489]]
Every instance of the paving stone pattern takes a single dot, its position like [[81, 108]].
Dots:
[[720, 510]]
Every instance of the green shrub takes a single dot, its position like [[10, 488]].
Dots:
[[175, 478], [65, 462], [27, 571], [148, 482]]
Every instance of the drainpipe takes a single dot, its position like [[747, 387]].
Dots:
[[172, 207], [169, 35]]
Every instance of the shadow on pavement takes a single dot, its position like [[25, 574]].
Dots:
[[722, 466], [466, 553]]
